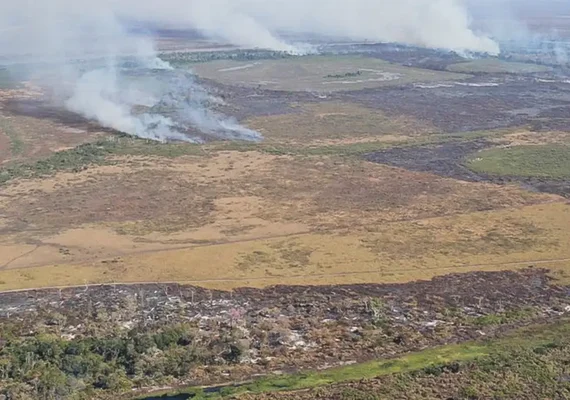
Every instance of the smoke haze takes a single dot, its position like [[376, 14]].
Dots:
[[254, 23], [96, 68], [62, 31]]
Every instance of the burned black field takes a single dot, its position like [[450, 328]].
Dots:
[[488, 97], [449, 160], [478, 103], [285, 329]]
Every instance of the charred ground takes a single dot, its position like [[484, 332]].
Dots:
[[246, 333]]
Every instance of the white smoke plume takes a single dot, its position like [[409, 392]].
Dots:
[[541, 27], [101, 71], [255, 23], [61, 31]]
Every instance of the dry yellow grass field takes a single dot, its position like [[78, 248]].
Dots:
[[228, 218], [394, 252], [338, 123]]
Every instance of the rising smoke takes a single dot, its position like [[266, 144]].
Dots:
[[441, 24], [60, 32], [96, 68], [527, 26]]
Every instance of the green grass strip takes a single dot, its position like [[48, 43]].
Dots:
[[16, 143], [544, 161], [533, 336]]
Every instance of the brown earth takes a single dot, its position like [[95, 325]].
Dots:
[[40, 128], [337, 123]]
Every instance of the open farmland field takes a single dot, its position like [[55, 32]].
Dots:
[[404, 225], [494, 66], [318, 74]]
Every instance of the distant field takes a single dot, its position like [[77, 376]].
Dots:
[[547, 161], [80, 205], [334, 122], [317, 73], [285, 220], [495, 66]]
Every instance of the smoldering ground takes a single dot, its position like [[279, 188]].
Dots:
[[153, 103]]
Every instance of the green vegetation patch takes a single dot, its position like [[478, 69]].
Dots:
[[96, 153], [544, 161], [345, 75], [180, 59], [323, 73], [16, 143], [496, 66], [491, 357], [505, 317]]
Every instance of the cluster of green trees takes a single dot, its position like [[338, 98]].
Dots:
[[240, 55], [48, 367], [345, 75]]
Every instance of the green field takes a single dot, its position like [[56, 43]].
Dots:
[[496, 66], [318, 73], [544, 161], [538, 351]]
